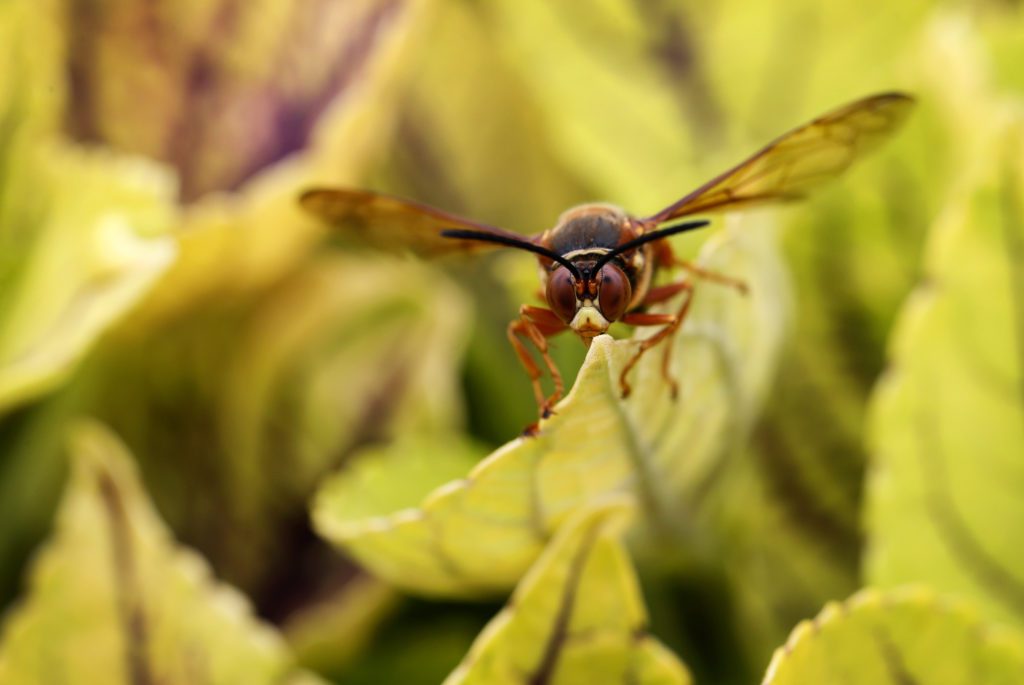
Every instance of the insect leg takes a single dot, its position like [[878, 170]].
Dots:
[[671, 323], [537, 324], [545, 323], [713, 276], [664, 292], [666, 258]]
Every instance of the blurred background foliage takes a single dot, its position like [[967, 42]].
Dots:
[[157, 276]]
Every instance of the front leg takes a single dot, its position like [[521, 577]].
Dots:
[[537, 324]]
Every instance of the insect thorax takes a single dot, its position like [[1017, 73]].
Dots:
[[588, 227]]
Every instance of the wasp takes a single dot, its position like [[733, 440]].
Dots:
[[600, 264]]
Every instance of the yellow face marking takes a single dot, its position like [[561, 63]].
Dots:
[[589, 322]]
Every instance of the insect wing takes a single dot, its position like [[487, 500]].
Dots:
[[798, 161], [392, 223]]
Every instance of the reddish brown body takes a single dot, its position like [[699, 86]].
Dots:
[[606, 265], [599, 264]]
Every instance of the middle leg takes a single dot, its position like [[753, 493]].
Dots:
[[666, 258], [670, 324]]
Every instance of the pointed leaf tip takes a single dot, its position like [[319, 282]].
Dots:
[[113, 599], [576, 616]]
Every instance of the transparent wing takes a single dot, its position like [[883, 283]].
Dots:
[[392, 223], [798, 161]]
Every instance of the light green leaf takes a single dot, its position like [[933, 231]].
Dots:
[[232, 89], [80, 232], [577, 616], [480, 533], [780, 555], [855, 252], [946, 429], [318, 85], [645, 101], [93, 242], [343, 351], [469, 169], [611, 113], [905, 636], [112, 599], [784, 71], [29, 57], [272, 396]]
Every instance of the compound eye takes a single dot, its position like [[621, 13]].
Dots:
[[615, 293], [561, 294]]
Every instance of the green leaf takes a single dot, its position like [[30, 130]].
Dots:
[[30, 50], [469, 169], [904, 636], [478, 534], [577, 616], [112, 599], [92, 241], [774, 551], [609, 111], [81, 233], [232, 89], [781, 72], [343, 322], [317, 111], [946, 428], [342, 353], [639, 99]]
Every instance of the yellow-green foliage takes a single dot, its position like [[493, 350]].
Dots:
[[908, 635], [575, 617], [113, 599], [335, 429], [946, 431], [479, 533]]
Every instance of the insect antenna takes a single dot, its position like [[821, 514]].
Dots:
[[508, 241], [647, 238]]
